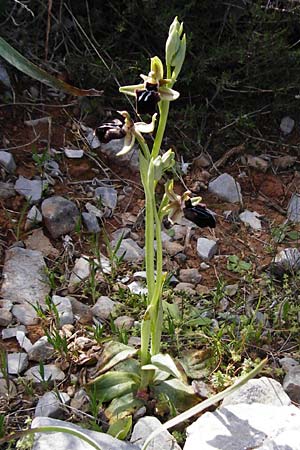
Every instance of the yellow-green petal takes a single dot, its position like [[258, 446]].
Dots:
[[143, 127], [130, 90], [128, 144], [157, 68], [168, 94]]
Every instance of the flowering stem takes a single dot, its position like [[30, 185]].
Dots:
[[151, 327], [164, 111]]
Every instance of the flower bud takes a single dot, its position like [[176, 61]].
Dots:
[[173, 41], [175, 47]]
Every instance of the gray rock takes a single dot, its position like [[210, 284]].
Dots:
[[9, 333], [51, 405], [64, 309], [41, 350], [288, 363], [38, 241], [80, 272], [93, 210], [137, 287], [60, 215], [51, 373], [131, 250], [7, 190], [24, 277], [206, 248], [104, 307], [6, 304], [121, 232], [236, 427], [81, 311], [252, 219], [140, 275], [124, 322], [134, 341], [108, 196], [226, 188], [231, 289], [262, 390], [144, 427], [190, 276], [293, 213], [179, 232], [91, 223], [32, 190], [287, 125], [291, 384], [91, 137], [180, 258], [16, 363], [23, 341], [7, 161], [80, 401], [73, 153], [286, 261], [52, 168], [185, 287], [130, 160], [172, 247], [25, 314], [256, 162], [34, 217], [5, 317], [7, 390], [65, 441]]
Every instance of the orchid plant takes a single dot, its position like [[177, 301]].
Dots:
[[153, 97]]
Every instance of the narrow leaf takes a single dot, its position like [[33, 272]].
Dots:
[[24, 65]]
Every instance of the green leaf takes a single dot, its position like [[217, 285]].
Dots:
[[24, 65], [166, 363], [293, 235], [121, 428], [159, 375], [197, 363], [123, 407], [112, 354], [114, 384], [172, 309], [180, 394]]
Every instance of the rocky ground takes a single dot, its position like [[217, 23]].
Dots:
[[72, 249]]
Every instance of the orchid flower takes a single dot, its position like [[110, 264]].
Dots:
[[184, 205], [152, 90], [134, 130]]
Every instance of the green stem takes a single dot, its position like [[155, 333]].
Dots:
[[156, 328], [164, 111], [151, 327]]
